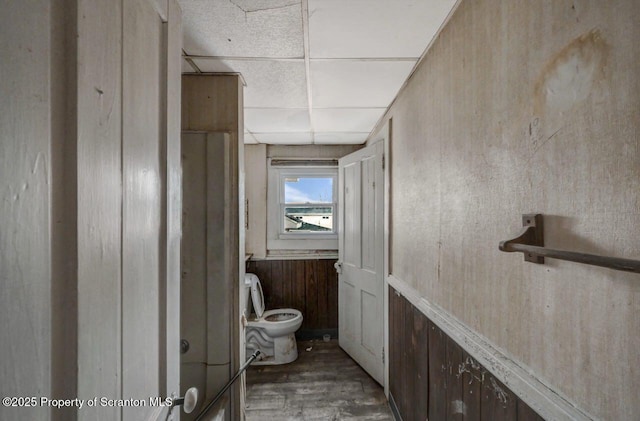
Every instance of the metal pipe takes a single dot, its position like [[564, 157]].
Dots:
[[616, 263], [228, 385]]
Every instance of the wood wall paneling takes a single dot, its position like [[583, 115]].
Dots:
[[430, 375], [420, 347], [26, 153], [471, 376], [323, 295], [408, 361], [311, 289], [213, 103], [435, 359], [194, 270], [310, 286], [141, 156], [218, 289], [525, 413], [99, 116], [395, 344], [173, 195]]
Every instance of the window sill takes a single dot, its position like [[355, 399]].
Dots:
[[300, 254], [298, 236]]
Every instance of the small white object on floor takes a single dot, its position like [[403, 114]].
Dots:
[[309, 349]]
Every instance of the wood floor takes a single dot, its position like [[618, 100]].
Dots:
[[322, 384]]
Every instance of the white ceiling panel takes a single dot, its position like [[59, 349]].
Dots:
[[270, 84], [284, 138], [340, 138], [243, 28], [276, 120], [357, 83], [374, 28], [348, 62], [346, 119]]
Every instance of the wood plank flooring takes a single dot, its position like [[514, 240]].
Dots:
[[322, 384]]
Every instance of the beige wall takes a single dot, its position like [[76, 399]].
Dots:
[[523, 107], [255, 164]]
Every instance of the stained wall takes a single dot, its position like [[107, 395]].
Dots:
[[522, 107]]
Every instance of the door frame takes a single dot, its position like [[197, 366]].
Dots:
[[384, 135]]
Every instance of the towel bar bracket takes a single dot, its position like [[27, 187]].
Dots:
[[530, 242], [532, 234]]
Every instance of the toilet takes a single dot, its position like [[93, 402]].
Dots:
[[271, 331]]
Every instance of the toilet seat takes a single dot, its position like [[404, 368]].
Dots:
[[257, 296], [277, 322]]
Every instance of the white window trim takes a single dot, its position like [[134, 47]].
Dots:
[[276, 238]]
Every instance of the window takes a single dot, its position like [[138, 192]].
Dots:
[[308, 204], [302, 207]]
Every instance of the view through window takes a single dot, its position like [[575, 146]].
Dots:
[[309, 204]]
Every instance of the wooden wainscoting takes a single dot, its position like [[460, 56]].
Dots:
[[431, 376], [310, 286]]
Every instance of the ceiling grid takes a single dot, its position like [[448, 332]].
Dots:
[[317, 71]]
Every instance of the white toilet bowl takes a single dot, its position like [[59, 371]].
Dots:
[[271, 331]]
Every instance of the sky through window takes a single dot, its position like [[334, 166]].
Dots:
[[308, 190]]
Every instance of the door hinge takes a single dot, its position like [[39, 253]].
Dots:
[[383, 355], [383, 162]]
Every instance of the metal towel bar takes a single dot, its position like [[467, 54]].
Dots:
[[531, 243], [228, 385]]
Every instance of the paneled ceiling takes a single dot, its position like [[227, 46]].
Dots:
[[316, 71]]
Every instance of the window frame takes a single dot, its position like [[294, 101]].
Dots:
[[277, 237]]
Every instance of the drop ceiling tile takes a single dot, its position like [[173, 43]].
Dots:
[[243, 28], [374, 28], [338, 138], [270, 84], [276, 120], [357, 83], [289, 138], [346, 119]]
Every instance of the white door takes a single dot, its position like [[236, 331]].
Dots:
[[360, 266]]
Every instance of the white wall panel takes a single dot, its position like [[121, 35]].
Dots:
[[142, 201], [99, 205], [25, 224], [173, 179]]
